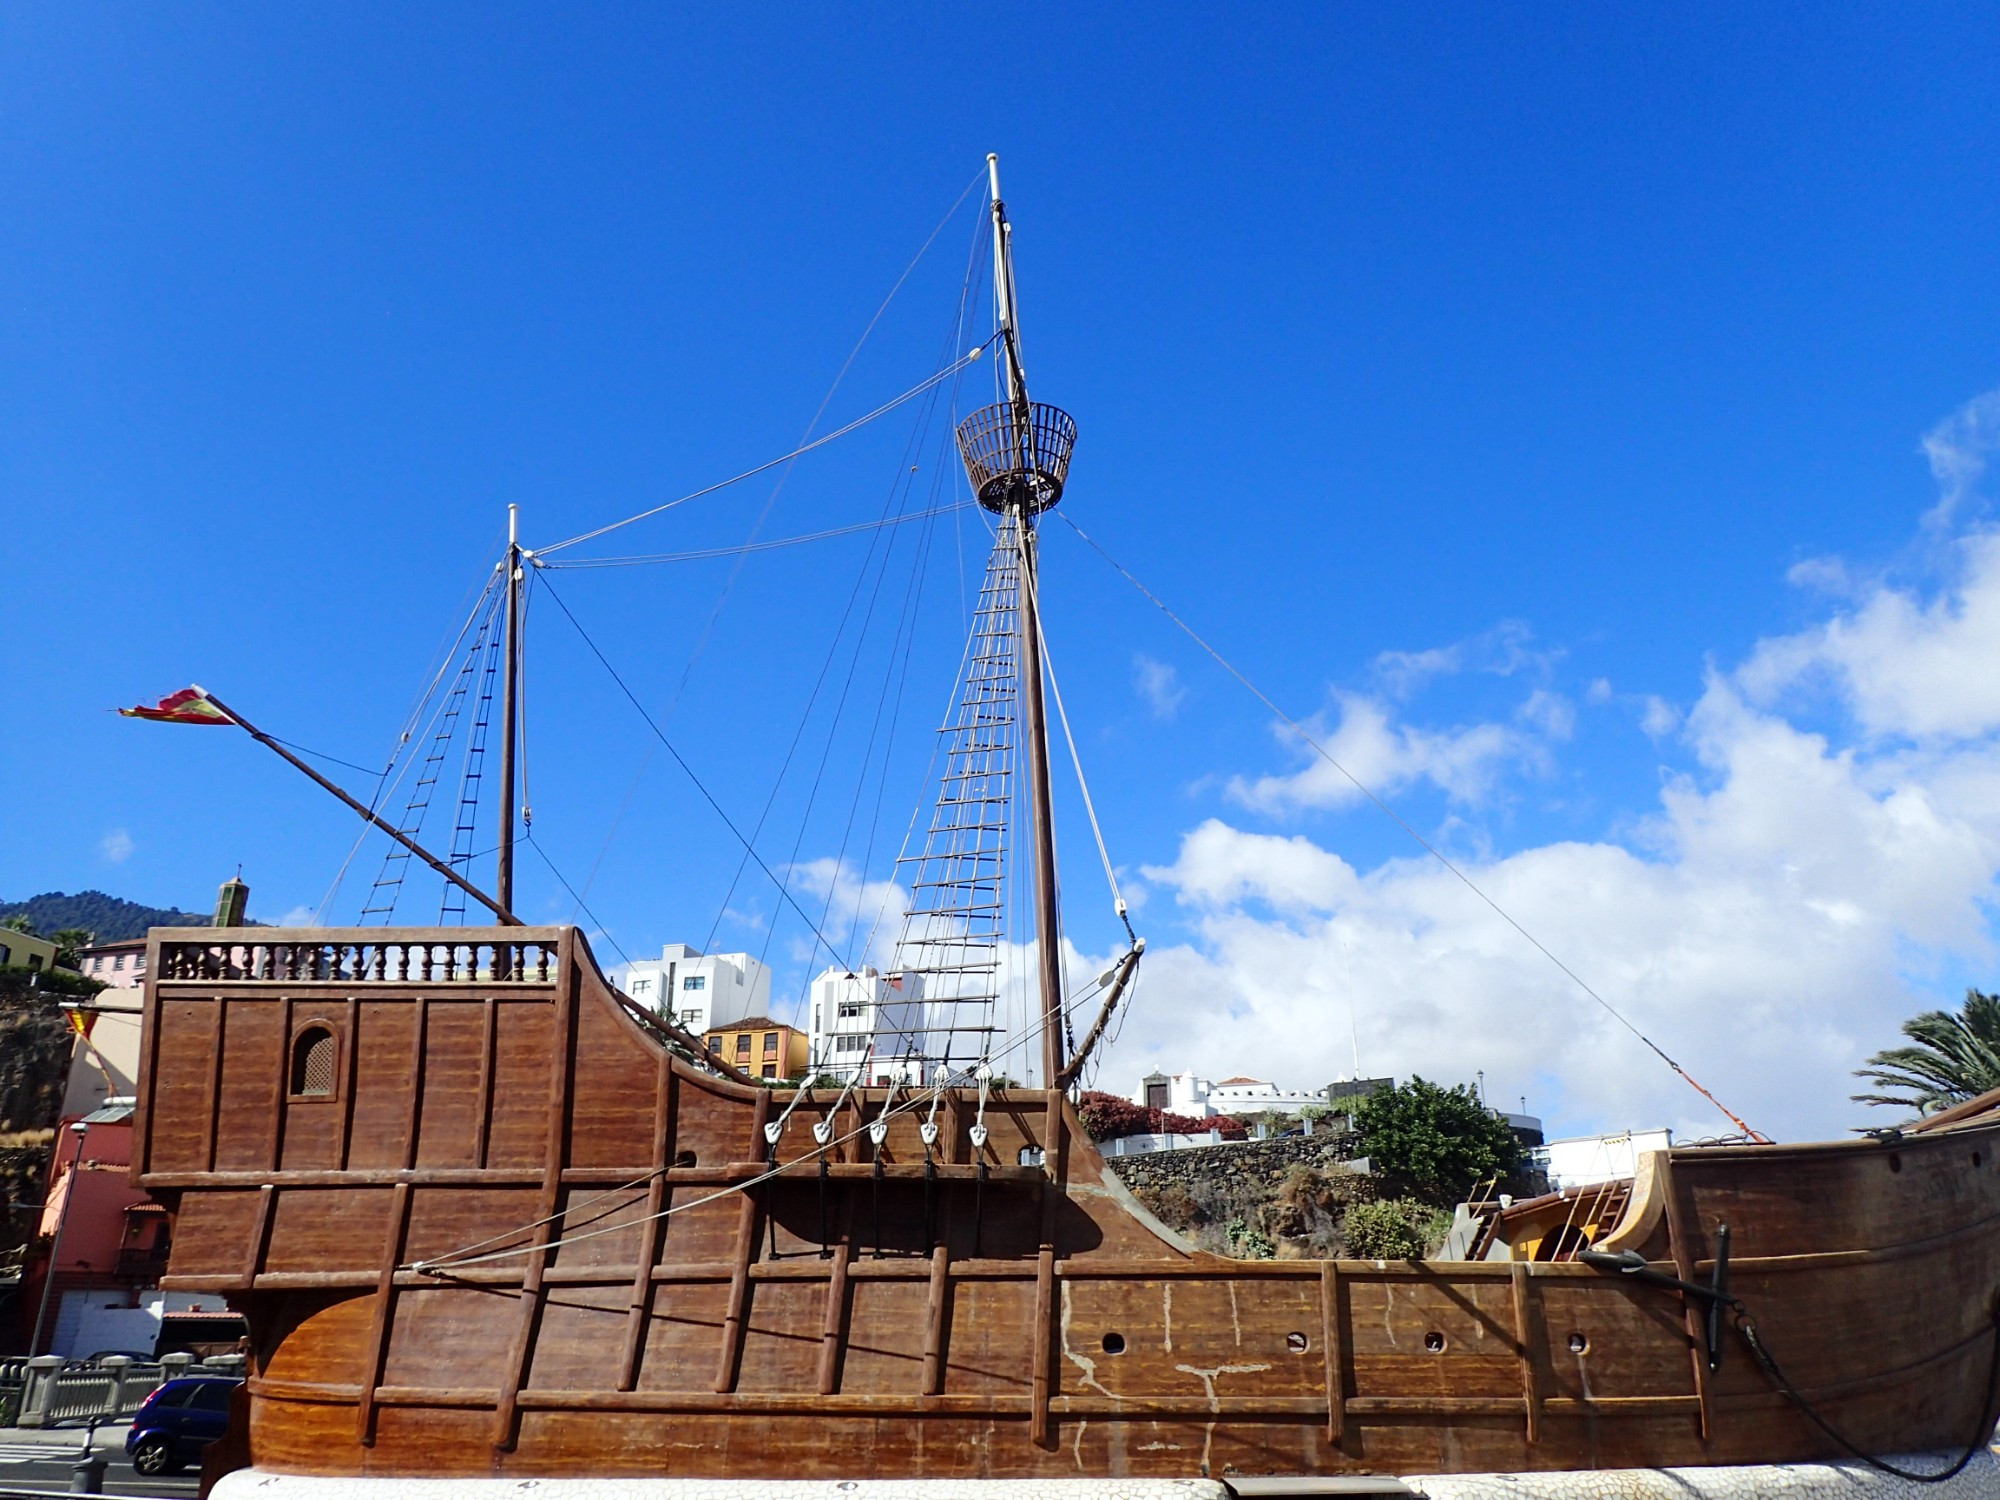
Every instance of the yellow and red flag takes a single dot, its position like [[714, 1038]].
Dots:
[[189, 706]]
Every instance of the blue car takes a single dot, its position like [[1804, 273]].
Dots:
[[177, 1421]]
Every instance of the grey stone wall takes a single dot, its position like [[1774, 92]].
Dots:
[[1239, 1162]]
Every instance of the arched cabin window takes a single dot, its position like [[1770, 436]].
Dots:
[[313, 1063]]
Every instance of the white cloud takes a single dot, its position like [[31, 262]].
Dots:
[[308, 916], [1958, 448], [1159, 683], [116, 846], [849, 910], [1905, 664], [1500, 652], [1659, 718], [1786, 903], [1464, 762]]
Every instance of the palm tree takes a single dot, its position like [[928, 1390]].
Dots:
[[1956, 1057], [70, 943]]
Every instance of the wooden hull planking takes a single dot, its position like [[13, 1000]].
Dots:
[[666, 1305]]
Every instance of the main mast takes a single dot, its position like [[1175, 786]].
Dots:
[[1017, 454]]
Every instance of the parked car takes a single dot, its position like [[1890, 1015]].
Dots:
[[177, 1421]]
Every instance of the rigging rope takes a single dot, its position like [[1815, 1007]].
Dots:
[[701, 643], [703, 554], [707, 796], [1062, 717], [383, 786], [452, 1260], [819, 442], [529, 835], [1423, 843]]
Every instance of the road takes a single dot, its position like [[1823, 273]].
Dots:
[[42, 1467]]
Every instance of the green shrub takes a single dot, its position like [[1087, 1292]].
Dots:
[[1393, 1229], [1247, 1241]]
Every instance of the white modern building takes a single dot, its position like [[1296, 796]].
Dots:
[[1193, 1095], [865, 1019], [1585, 1160], [697, 991]]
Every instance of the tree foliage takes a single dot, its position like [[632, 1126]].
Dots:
[[113, 920], [1108, 1118], [1437, 1141], [1955, 1057]]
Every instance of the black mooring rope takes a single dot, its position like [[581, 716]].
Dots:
[[1747, 1326]]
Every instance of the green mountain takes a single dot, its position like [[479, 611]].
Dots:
[[111, 918]]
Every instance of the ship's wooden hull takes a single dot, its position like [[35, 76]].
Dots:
[[668, 1306]]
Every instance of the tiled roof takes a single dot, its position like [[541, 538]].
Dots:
[[1232, 1082], [751, 1023]]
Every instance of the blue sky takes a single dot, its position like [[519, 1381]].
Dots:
[[1535, 398]]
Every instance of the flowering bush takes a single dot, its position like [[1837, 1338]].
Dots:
[[1108, 1118]]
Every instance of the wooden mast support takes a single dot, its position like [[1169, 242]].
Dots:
[[510, 711]]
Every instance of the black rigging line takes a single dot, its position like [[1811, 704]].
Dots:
[[805, 715], [335, 759], [598, 922], [1425, 844], [912, 591], [688, 771]]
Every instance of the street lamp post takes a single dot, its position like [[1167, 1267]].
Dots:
[[81, 1129]]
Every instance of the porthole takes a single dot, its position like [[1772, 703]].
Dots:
[[1114, 1343], [1434, 1341], [1895, 1161], [684, 1158], [1977, 1159], [1296, 1342], [1578, 1344]]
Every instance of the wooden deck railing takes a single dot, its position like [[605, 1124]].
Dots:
[[360, 961]]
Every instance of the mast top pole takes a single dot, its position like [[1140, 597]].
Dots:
[[1015, 379]]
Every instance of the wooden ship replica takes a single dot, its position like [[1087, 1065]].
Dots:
[[486, 1216]]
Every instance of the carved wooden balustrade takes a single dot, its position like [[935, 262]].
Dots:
[[357, 957]]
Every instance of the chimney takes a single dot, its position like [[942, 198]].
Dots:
[[231, 901]]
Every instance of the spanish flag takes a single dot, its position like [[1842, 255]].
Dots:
[[190, 705]]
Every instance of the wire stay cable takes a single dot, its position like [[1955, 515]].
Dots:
[[1425, 844], [704, 554], [784, 891], [935, 379]]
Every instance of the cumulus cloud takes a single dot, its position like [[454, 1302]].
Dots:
[[1904, 662], [1385, 756], [851, 911], [1821, 863], [1159, 684], [116, 846]]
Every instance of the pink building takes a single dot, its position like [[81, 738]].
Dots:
[[106, 1235]]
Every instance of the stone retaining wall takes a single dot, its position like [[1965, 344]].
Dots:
[[1244, 1161]]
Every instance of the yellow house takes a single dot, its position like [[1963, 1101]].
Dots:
[[26, 951], [761, 1047]]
